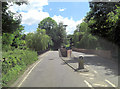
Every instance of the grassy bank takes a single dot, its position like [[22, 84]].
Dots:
[[14, 64]]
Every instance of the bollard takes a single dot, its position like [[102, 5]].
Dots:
[[69, 52], [80, 63]]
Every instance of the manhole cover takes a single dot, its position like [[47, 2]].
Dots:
[[51, 59]]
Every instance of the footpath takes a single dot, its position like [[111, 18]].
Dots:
[[99, 72]]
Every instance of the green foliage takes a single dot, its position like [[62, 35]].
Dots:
[[83, 38], [11, 74], [48, 24], [14, 62], [39, 40], [114, 24], [10, 20], [59, 36], [13, 40], [56, 32], [102, 20]]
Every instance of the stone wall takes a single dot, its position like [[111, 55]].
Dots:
[[102, 53]]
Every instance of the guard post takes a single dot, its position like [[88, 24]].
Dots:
[[80, 62]]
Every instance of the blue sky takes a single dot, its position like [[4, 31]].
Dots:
[[70, 13], [76, 10]]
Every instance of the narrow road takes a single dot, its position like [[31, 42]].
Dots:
[[51, 71]]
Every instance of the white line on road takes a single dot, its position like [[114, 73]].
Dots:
[[91, 69], [86, 66], [110, 83], [95, 71], [91, 78], [99, 85], [30, 72], [90, 74], [89, 85]]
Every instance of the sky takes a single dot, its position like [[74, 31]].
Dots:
[[70, 13]]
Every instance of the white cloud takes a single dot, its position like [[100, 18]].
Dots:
[[33, 17], [31, 13], [62, 9], [26, 32], [32, 4], [70, 22]]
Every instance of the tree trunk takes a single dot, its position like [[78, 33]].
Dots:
[[118, 60]]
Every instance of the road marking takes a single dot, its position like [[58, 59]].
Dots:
[[95, 71], [110, 83], [89, 85], [100, 85], [86, 65], [91, 78], [30, 71], [91, 69], [87, 74]]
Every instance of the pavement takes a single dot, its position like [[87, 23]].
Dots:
[[51, 71], [101, 72]]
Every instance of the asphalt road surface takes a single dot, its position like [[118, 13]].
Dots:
[[51, 71]]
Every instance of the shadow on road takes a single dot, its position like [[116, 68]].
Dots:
[[105, 64]]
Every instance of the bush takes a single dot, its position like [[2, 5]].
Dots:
[[16, 62], [10, 41]]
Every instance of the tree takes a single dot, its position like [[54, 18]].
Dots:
[[83, 38], [56, 32], [97, 18], [49, 25], [11, 28], [10, 20], [39, 40], [13, 40], [105, 20], [114, 23], [60, 37]]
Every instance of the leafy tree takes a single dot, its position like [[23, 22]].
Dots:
[[11, 28], [48, 24], [56, 32], [98, 16], [83, 38], [13, 40], [104, 20], [60, 36], [39, 40], [114, 23], [10, 20]]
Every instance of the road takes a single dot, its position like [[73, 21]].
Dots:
[[51, 71]]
